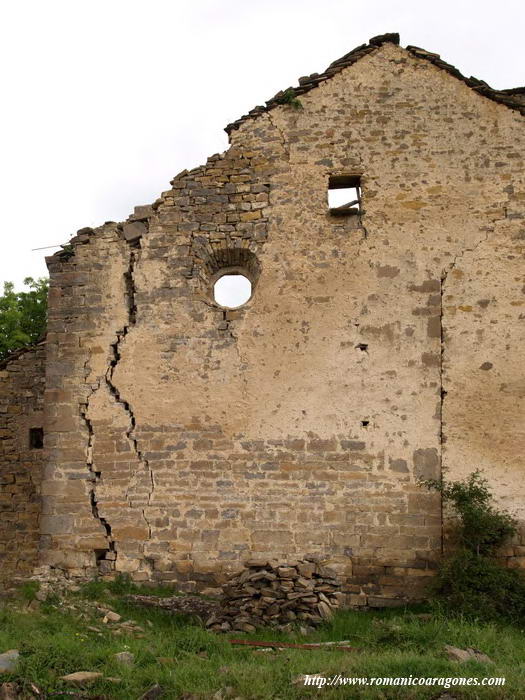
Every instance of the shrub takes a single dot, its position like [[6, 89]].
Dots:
[[482, 528], [471, 581], [288, 97], [480, 587]]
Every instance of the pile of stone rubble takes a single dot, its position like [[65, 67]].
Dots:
[[277, 594]]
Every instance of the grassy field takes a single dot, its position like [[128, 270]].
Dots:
[[66, 634]]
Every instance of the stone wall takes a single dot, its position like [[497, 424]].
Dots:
[[21, 411], [185, 438]]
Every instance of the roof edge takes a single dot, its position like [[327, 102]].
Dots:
[[505, 97], [511, 97], [307, 83]]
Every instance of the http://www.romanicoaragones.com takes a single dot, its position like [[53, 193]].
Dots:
[[320, 681]]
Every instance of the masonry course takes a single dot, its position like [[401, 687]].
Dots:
[[21, 464], [183, 438]]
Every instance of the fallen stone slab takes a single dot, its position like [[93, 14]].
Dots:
[[81, 677], [299, 680], [125, 657], [225, 694], [111, 617], [9, 660], [156, 691], [462, 655], [9, 691], [456, 654], [480, 656]]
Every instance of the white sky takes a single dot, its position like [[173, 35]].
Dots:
[[104, 101], [232, 290]]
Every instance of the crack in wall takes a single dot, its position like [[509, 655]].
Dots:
[[442, 391], [94, 475], [280, 132], [129, 280], [243, 364]]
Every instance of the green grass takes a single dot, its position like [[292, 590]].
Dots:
[[122, 585], [54, 640]]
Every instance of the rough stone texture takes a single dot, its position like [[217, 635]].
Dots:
[[194, 605], [21, 408], [277, 594], [184, 438], [9, 661], [81, 677], [462, 655], [125, 657]]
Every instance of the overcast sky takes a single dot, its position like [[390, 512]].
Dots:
[[104, 101]]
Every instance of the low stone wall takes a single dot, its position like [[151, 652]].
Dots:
[[21, 461]]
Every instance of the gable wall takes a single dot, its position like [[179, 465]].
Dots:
[[197, 438]]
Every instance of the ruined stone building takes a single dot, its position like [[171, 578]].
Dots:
[[159, 433]]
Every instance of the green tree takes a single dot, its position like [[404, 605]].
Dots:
[[22, 315]]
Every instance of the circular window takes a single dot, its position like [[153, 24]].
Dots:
[[232, 290]]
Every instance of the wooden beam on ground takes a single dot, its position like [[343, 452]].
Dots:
[[339, 646]]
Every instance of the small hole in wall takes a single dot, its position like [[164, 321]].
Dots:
[[36, 438], [100, 554], [232, 290], [365, 423]]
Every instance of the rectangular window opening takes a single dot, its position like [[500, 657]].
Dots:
[[344, 195], [36, 438]]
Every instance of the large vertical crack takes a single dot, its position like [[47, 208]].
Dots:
[[106, 558], [442, 391], [101, 554], [130, 290]]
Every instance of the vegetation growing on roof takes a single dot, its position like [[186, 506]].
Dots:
[[289, 98], [68, 250], [512, 98]]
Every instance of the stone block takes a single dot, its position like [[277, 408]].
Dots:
[[134, 230]]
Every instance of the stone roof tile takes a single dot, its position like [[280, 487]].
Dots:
[[513, 98]]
